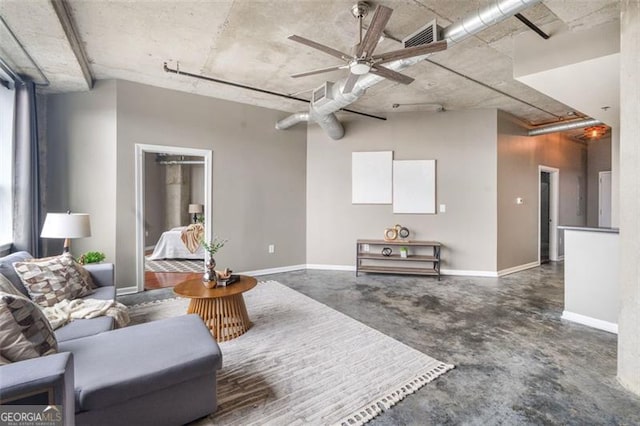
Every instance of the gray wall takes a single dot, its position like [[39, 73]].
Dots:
[[518, 159], [81, 162], [464, 145], [154, 200], [598, 160], [258, 173]]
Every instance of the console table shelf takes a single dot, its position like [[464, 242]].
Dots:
[[369, 261]]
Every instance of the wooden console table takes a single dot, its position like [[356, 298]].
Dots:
[[372, 260]]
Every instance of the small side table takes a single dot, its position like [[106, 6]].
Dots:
[[222, 308]]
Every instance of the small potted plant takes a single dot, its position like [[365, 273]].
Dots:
[[209, 278], [91, 257], [404, 252]]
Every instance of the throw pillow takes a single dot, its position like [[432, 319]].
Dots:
[[26, 333], [52, 280], [7, 287]]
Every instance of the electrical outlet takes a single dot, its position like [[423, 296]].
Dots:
[[443, 208], [366, 247], [272, 248]]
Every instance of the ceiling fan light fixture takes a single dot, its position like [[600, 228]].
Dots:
[[359, 67]]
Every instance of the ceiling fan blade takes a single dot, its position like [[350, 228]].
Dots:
[[351, 81], [319, 71], [372, 37], [390, 74], [321, 47], [410, 52]]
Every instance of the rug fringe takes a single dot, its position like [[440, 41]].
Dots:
[[377, 407]]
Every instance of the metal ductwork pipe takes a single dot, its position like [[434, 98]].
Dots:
[[483, 18], [292, 120], [330, 124], [563, 127], [454, 33]]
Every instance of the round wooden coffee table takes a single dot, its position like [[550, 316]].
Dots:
[[222, 308]]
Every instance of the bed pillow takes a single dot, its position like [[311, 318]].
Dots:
[[26, 333], [52, 280]]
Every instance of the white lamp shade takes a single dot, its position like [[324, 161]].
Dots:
[[196, 208], [66, 225]]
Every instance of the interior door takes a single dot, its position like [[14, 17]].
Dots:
[[545, 217], [604, 200]]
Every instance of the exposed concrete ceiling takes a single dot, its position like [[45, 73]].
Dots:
[[246, 42]]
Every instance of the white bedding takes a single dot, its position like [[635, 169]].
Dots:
[[170, 246]]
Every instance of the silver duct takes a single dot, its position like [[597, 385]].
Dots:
[[292, 120], [454, 33], [563, 127]]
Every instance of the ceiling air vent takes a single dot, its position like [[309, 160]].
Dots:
[[322, 94], [425, 35]]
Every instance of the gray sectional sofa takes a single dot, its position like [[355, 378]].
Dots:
[[103, 277], [157, 373]]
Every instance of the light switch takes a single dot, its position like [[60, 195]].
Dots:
[[443, 208]]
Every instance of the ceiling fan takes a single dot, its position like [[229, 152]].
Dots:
[[363, 61]]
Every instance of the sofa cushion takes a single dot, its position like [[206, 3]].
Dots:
[[84, 327], [7, 287], [6, 269], [103, 293], [26, 333], [123, 364], [51, 280]]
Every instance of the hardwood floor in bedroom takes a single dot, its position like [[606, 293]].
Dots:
[[156, 280]]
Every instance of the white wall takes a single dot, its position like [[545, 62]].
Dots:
[[464, 145]]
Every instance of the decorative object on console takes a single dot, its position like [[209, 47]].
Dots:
[[195, 210], [391, 234], [210, 278], [66, 225], [386, 251], [404, 252]]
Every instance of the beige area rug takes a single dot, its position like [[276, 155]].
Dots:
[[303, 363]]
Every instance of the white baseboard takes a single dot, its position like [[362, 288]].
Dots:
[[591, 322], [126, 290], [278, 270], [561, 258], [331, 267], [464, 273], [518, 268]]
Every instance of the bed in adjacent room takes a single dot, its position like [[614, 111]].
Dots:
[[171, 246]]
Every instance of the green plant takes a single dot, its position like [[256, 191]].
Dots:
[[213, 246], [91, 257]]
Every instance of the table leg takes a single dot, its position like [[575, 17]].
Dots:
[[226, 317]]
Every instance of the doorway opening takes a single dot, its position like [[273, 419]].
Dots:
[[604, 199], [548, 190], [164, 198]]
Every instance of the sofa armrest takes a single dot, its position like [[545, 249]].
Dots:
[[51, 375], [102, 274]]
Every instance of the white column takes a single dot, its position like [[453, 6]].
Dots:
[[629, 319]]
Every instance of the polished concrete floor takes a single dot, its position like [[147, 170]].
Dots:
[[516, 361]]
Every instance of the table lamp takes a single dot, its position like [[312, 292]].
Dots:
[[195, 209], [66, 225]]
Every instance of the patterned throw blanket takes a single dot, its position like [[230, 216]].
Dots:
[[192, 236], [68, 310]]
